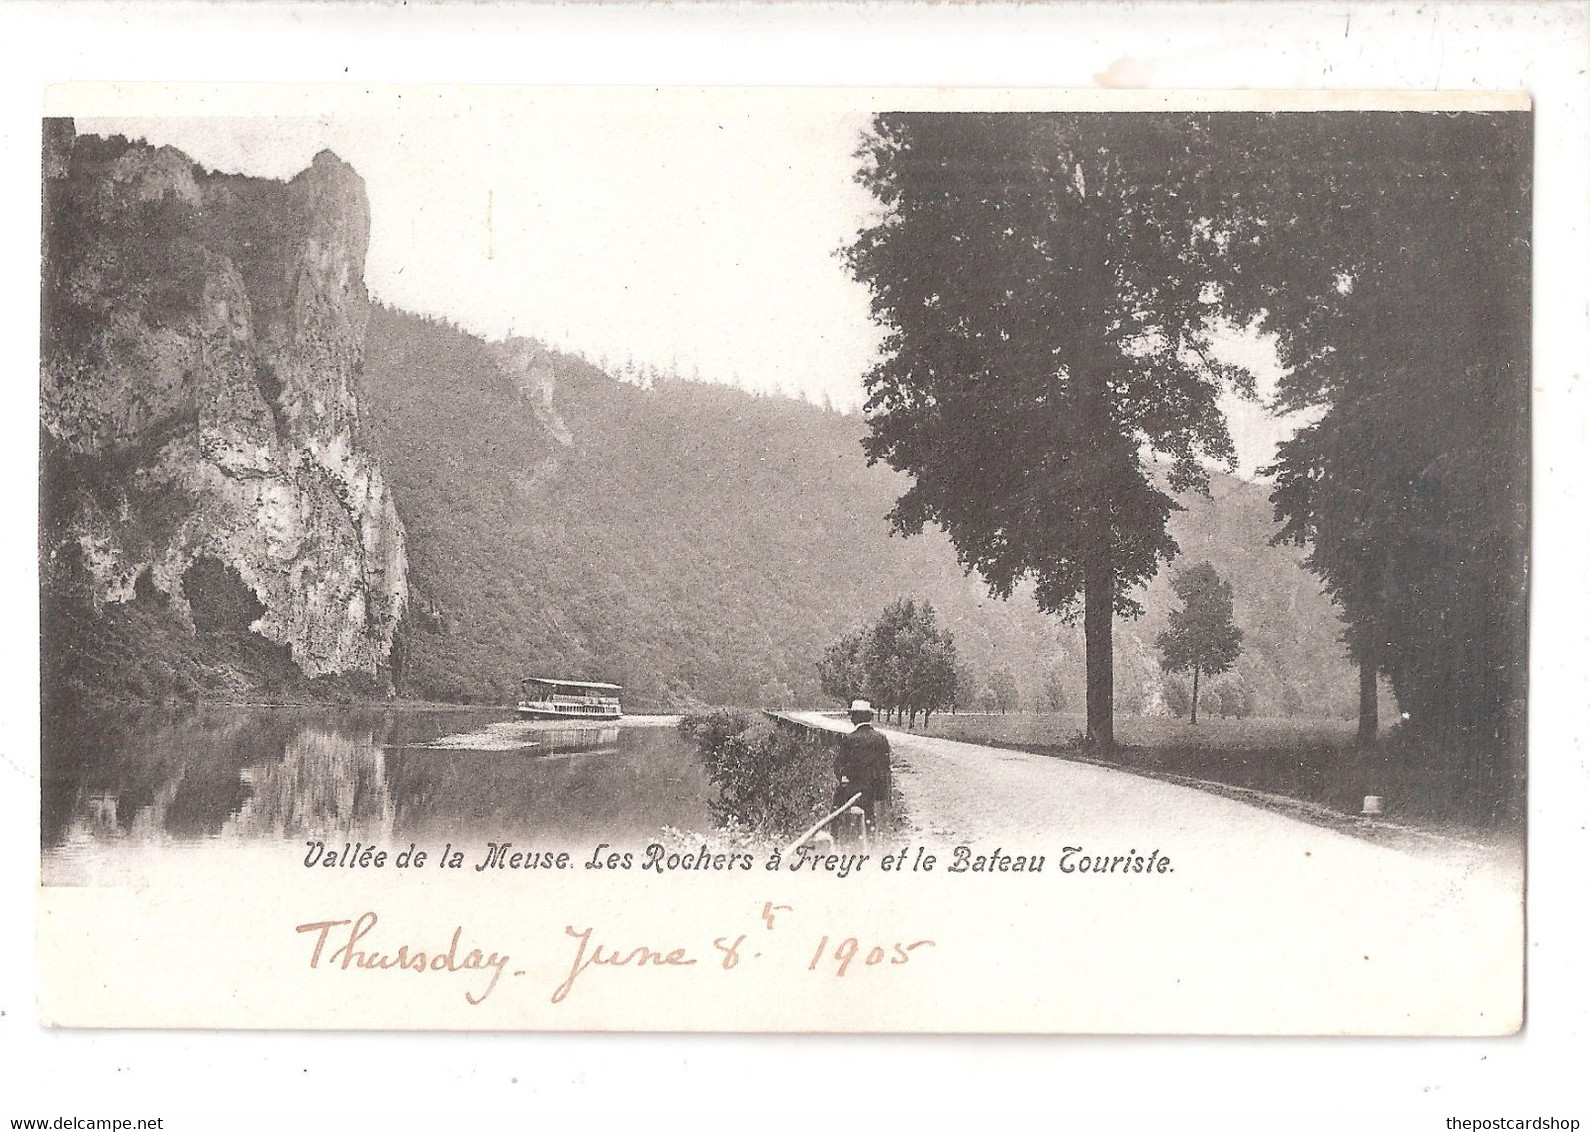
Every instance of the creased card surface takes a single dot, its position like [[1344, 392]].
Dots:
[[420, 465]]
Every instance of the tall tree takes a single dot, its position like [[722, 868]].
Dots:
[[1202, 639], [1400, 304], [1047, 283], [888, 668], [932, 679]]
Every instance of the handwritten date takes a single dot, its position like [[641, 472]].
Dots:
[[355, 944], [895, 954]]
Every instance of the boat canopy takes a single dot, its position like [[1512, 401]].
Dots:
[[594, 685]]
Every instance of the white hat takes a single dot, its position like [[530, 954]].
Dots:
[[860, 705]]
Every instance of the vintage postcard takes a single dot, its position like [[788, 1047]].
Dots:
[[784, 560]]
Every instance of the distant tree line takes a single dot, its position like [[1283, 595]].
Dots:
[[904, 663]]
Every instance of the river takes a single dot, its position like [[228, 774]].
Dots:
[[147, 778]]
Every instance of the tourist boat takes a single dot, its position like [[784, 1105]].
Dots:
[[542, 698]]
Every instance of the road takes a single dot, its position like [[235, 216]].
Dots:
[[1402, 941]]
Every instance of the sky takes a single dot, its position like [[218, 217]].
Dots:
[[705, 242]]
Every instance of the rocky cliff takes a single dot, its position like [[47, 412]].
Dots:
[[202, 348], [532, 369]]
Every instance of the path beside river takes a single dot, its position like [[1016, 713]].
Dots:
[[1248, 886]]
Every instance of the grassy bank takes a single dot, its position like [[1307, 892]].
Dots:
[[1313, 761]]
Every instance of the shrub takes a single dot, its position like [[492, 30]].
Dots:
[[1232, 697], [1178, 695], [762, 779]]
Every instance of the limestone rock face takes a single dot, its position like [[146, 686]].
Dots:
[[532, 369], [203, 338]]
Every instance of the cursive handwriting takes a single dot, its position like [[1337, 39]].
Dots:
[[365, 944], [600, 955], [406, 958]]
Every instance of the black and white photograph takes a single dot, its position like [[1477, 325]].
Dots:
[[1129, 505], [799, 564]]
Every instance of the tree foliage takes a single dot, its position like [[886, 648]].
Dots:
[[1178, 695], [1052, 691], [1401, 307], [764, 782], [904, 663], [1231, 697], [1007, 696], [842, 669], [1202, 638], [1046, 283], [965, 686], [693, 543]]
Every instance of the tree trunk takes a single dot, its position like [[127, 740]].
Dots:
[[1195, 696], [1098, 598], [1368, 696]]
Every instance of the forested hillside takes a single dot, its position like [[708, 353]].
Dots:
[[698, 543]]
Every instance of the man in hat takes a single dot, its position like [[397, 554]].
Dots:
[[862, 764]]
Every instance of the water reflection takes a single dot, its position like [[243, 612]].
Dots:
[[609, 784], [325, 784], [165, 775], [588, 741]]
